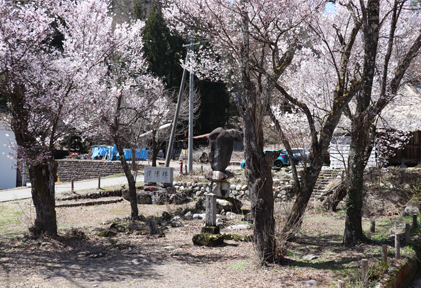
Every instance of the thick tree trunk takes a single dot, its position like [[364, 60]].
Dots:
[[130, 180], [360, 130], [43, 172], [43, 177], [259, 181], [257, 168], [354, 200]]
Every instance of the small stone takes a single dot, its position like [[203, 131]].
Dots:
[[176, 224], [309, 283], [169, 247], [244, 187], [240, 227], [199, 216], [141, 260], [231, 215], [188, 214], [219, 221], [176, 218], [310, 257]]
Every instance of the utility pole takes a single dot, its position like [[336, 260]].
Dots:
[[191, 84], [174, 122]]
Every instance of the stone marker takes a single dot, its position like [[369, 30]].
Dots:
[[210, 209], [372, 226], [153, 227]]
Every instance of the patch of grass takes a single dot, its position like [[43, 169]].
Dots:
[[12, 219], [240, 265]]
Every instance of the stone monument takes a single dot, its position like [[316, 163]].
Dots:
[[221, 146]]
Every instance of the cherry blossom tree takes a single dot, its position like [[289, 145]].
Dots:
[[51, 82], [249, 44], [388, 46], [125, 94]]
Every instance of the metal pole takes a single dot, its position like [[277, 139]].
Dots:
[[190, 144], [174, 122]]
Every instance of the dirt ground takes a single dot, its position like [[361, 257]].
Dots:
[[132, 258]]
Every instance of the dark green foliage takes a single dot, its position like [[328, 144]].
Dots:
[[214, 108], [139, 10], [162, 50]]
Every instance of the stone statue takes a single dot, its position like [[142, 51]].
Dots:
[[221, 147]]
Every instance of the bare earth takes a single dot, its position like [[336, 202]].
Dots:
[[132, 258]]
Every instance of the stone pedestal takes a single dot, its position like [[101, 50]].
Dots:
[[220, 185], [221, 189]]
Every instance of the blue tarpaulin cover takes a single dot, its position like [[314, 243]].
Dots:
[[101, 152], [140, 154]]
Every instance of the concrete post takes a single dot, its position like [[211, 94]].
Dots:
[[364, 264], [407, 233], [210, 209], [384, 252], [397, 246]]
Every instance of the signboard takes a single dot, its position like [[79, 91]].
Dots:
[[159, 174]]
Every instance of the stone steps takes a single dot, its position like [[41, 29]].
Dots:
[[325, 178]]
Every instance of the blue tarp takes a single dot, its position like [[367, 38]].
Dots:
[[100, 152], [140, 154]]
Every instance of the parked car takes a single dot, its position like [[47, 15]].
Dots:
[[281, 161], [301, 154]]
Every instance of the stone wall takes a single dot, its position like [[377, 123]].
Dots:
[[87, 169]]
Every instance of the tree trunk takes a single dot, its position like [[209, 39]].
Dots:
[[130, 180], [155, 148], [360, 129], [260, 184], [134, 166], [354, 200], [43, 172], [308, 182], [257, 168], [331, 202], [43, 177]]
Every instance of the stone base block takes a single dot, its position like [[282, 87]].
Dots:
[[206, 239], [210, 229]]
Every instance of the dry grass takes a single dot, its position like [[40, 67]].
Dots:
[[138, 260]]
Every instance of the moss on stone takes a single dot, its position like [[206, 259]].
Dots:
[[206, 239], [106, 233]]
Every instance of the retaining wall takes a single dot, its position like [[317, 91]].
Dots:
[[87, 169]]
